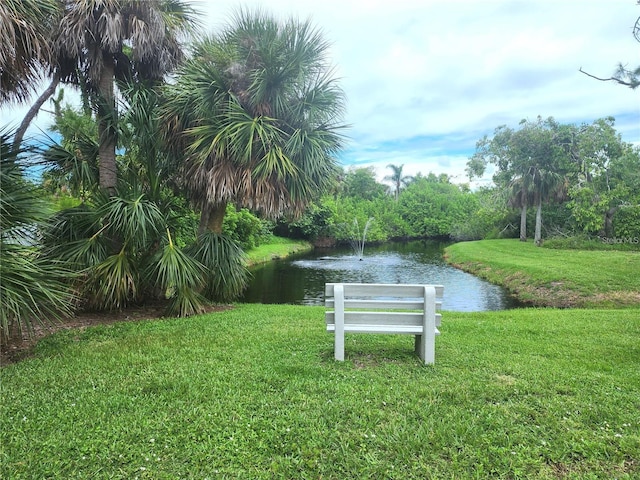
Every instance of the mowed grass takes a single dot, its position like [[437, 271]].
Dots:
[[278, 247], [254, 392], [550, 277]]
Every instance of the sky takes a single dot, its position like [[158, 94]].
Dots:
[[425, 80]]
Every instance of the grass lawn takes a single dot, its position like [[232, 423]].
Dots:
[[277, 247], [254, 392], [550, 277]]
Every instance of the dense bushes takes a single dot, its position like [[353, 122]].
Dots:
[[626, 223], [245, 228], [428, 207]]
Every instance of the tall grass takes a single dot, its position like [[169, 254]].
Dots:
[[254, 392]]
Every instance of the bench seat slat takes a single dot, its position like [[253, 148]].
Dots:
[[364, 328], [381, 318], [386, 304]]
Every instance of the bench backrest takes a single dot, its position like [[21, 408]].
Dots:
[[381, 304]]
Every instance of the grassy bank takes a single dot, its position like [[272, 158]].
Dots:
[[254, 392], [278, 247], [552, 277]]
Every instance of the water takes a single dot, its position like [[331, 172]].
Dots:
[[301, 279]]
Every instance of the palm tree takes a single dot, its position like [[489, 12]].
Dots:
[[397, 179], [97, 41], [32, 287], [24, 36], [125, 247], [258, 114], [521, 197], [549, 185]]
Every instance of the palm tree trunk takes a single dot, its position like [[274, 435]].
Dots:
[[33, 111], [107, 128], [608, 221], [212, 217], [538, 232], [204, 220], [523, 223]]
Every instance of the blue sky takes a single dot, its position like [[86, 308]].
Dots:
[[426, 79]]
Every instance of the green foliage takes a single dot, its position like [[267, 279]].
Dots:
[[432, 209], [180, 276], [626, 223], [316, 221], [180, 216], [489, 217], [112, 241], [133, 246], [74, 161], [531, 163], [245, 228], [606, 177], [545, 162], [361, 183], [225, 263], [258, 114], [350, 209], [114, 283], [587, 208]]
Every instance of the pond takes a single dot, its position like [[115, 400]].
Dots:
[[300, 279]]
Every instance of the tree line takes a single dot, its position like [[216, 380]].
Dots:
[[559, 181]]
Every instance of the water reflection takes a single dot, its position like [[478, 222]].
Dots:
[[301, 279]]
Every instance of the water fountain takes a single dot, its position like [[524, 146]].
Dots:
[[356, 240]]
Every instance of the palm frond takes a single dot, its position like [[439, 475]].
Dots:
[[225, 263], [32, 286], [258, 101], [179, 277], [133, 217], [113, 283]]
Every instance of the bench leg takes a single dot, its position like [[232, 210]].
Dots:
[[418, 346], [426, 343], [339, 346], [338, 296]]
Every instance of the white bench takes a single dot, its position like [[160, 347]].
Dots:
[[385, 308]]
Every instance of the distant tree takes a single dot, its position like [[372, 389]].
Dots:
[[362, 183], [73, 161], [434, 209], [531, 163], [605, 175], [398, 180]]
